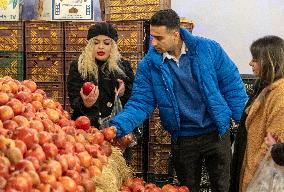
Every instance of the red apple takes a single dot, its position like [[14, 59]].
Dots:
[[62, 159], [53, 115], [109, 133], [53, 167], [21, 121], [10, 125], [37, 125], [88, 87], [34, 161], [169, 188], [75, 175], [83, 122], [95, 171], [68, 183], [48, 103], [29, 136], [47, 177], [89, 185], [64, 122], [37, 97], [3, 183], [106, 148], [30, 84], [183, 189], [6, 113], [24, 96], [21, 145], [98, 163], [41, 92], [37, 105], [85, 158], [79, 147], [13, 86], [98, 137], [50, 150], [5, 88], [4, 98], [37, 152], [24, 165], [93, 149], [17, 106]]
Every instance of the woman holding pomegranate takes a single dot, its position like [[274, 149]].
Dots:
[[98, 75], [262, 120]]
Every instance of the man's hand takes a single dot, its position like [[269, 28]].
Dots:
[[90, 100]]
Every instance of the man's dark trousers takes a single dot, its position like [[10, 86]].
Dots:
[[189, 152]]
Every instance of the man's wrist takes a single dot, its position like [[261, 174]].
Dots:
[[117, 131]]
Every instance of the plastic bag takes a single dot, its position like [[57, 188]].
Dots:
[[132, 138], [269, 176], [117, 107]]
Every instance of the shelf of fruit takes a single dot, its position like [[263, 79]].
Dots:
[[42, 149]]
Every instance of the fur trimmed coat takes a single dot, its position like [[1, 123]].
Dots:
[[265, 114]]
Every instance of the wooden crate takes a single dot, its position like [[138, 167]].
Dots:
[[133, 58], [116, 10], [69, 58], [157, 134], [44, 36], [76, 35], [136, 160], [11, 36], [54, 91], [131, 36], [12, 64], [45, 67], [159, 158]]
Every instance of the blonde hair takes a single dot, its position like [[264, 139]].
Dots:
[[87, 65]]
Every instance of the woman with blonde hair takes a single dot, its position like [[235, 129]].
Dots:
[[264, 112], [101, 64]]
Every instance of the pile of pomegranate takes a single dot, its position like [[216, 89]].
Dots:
[[139, 185], [41, 148]]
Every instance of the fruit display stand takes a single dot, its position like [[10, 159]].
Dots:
[[41, 148]]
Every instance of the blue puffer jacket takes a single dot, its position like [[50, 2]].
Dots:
[[221, 87]]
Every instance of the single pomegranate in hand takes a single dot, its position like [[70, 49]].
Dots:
[[109, 133], [88, 87], [83, 122]]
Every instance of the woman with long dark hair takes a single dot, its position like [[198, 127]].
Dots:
[[263, 113]]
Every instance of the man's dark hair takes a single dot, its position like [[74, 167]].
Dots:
[[167, 17]]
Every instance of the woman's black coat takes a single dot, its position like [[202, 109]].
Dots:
[[106, 82]]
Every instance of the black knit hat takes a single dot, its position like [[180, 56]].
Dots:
[[102, 28]]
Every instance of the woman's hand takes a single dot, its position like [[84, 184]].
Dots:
[[90, 100], [121, 88]]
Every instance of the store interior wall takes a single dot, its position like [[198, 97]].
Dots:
[[235, 24]]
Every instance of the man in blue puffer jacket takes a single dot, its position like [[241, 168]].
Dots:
[[197, 89]]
